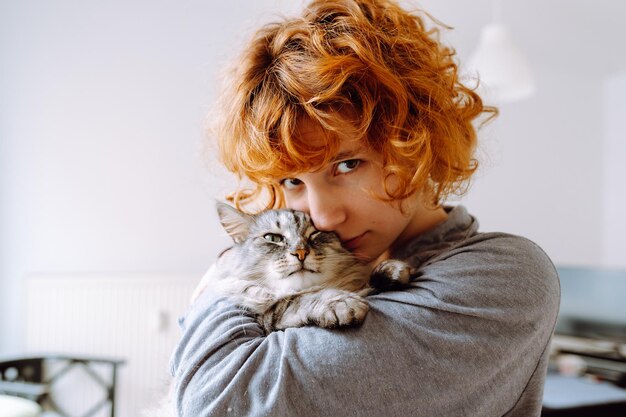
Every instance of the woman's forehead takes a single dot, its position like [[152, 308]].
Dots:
[[311, 133], [314, 135], [311, 147]]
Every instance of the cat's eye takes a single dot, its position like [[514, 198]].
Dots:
[[313, 235], [344, 167], [273, 237], [290, 183]]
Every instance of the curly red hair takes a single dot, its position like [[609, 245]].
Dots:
[[370, 58]]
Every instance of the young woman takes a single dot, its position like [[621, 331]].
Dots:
[[354, 113]]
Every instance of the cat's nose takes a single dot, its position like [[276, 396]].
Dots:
[[301, 253]]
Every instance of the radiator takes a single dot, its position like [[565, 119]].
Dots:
[[132, 317]]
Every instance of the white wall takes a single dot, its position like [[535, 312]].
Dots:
[[614, 179], [102, 108], [542, 169]]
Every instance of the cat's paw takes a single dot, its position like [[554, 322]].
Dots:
[[324, 308], [391, 273], [340, 309]]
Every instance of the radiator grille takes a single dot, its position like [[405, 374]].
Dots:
[[127, 316]]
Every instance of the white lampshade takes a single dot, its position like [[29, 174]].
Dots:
[[504, 73]]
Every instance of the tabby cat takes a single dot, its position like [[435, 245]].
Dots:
[[289, 274]]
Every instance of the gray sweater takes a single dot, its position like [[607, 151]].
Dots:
[[469, 338]]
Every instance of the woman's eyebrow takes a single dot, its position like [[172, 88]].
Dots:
[[346, 154]]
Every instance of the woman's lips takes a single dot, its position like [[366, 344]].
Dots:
[[353, 243]]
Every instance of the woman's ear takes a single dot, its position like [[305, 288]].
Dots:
[[235, 222]]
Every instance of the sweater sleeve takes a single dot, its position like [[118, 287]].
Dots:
[[465, 339]]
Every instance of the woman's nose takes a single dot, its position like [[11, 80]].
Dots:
[[326, 210]]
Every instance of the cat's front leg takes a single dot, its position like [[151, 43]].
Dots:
[[391, 273], [325, 308]]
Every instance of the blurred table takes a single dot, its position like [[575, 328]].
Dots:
[[582, 397]]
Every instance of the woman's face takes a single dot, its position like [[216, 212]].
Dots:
[[338, 198]]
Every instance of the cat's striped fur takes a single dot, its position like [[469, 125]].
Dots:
[[289, 274]]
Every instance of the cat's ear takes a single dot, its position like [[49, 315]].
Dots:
[[235, 222]]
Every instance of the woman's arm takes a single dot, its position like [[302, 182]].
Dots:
[[466, 339]]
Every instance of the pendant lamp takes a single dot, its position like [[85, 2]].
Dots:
[[503, 71]]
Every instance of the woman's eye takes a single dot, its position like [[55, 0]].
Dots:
[[273, 237], [347, 166], [290, 183]]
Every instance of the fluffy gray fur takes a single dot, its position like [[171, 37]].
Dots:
[[289, 274]]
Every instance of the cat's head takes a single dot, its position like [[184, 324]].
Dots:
[[283, 246]]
